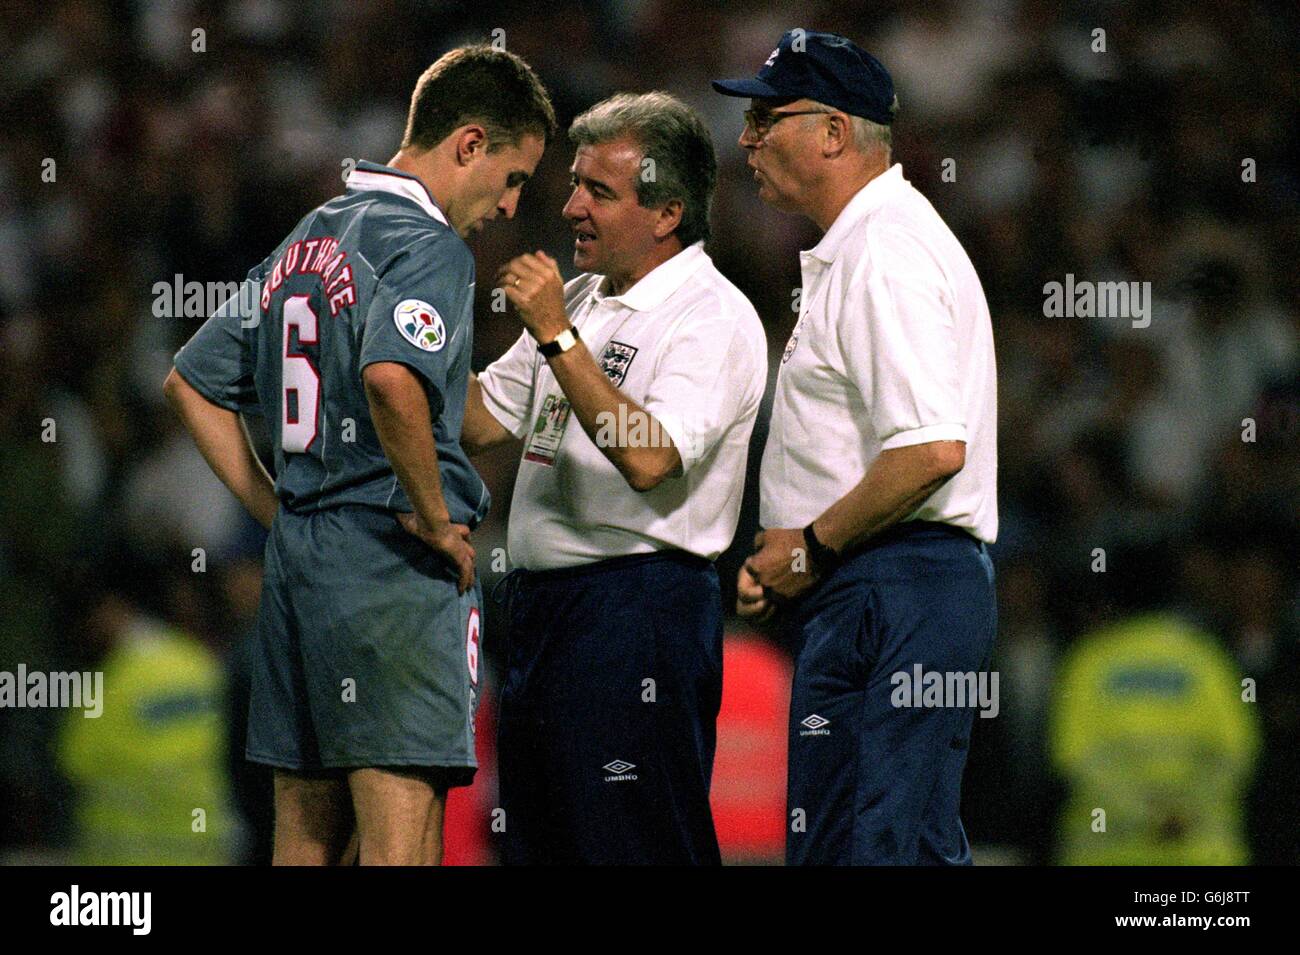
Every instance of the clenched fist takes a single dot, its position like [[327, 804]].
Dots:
[[533, 284]]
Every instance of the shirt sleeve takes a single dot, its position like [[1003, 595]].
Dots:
[[218, 361], [421, 310], [707, 378], [507, 385], [903, 352]]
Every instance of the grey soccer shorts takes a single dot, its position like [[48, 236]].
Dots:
[[365, 655]]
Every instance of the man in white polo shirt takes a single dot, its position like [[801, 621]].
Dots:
[[878, 484], [634, 389]]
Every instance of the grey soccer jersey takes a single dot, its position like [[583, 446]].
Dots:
[[373, 275]]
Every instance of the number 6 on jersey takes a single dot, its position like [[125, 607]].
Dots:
[[301, 399]]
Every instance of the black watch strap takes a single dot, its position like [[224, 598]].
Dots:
[[562, 343], [824, 560]]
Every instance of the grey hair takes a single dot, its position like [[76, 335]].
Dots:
[[865, 132], [674, 137], [868, 135]]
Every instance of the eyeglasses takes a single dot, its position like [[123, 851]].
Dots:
[[759, 122]]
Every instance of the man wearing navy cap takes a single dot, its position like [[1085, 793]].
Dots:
[[878, 484]]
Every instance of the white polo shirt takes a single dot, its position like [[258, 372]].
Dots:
[[893, 347], [685, 345]]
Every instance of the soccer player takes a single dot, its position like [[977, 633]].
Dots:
[[366, 666], [878, 484], [634, 388]]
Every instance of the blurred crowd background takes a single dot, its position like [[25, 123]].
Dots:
[[1149, 477]]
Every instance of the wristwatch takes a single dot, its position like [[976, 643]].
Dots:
[[562, 343], [824, 560]]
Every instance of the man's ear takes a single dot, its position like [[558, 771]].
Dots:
[[471, 142], [670, 217], [837, 136]]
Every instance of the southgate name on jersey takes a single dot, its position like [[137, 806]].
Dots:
[[321, 257]]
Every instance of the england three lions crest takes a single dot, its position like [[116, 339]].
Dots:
[[615, 359]]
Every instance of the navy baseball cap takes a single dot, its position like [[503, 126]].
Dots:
[[826, 67]]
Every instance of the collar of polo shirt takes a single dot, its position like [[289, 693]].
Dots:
[[372, 176], [655, 286], [865, 201]]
